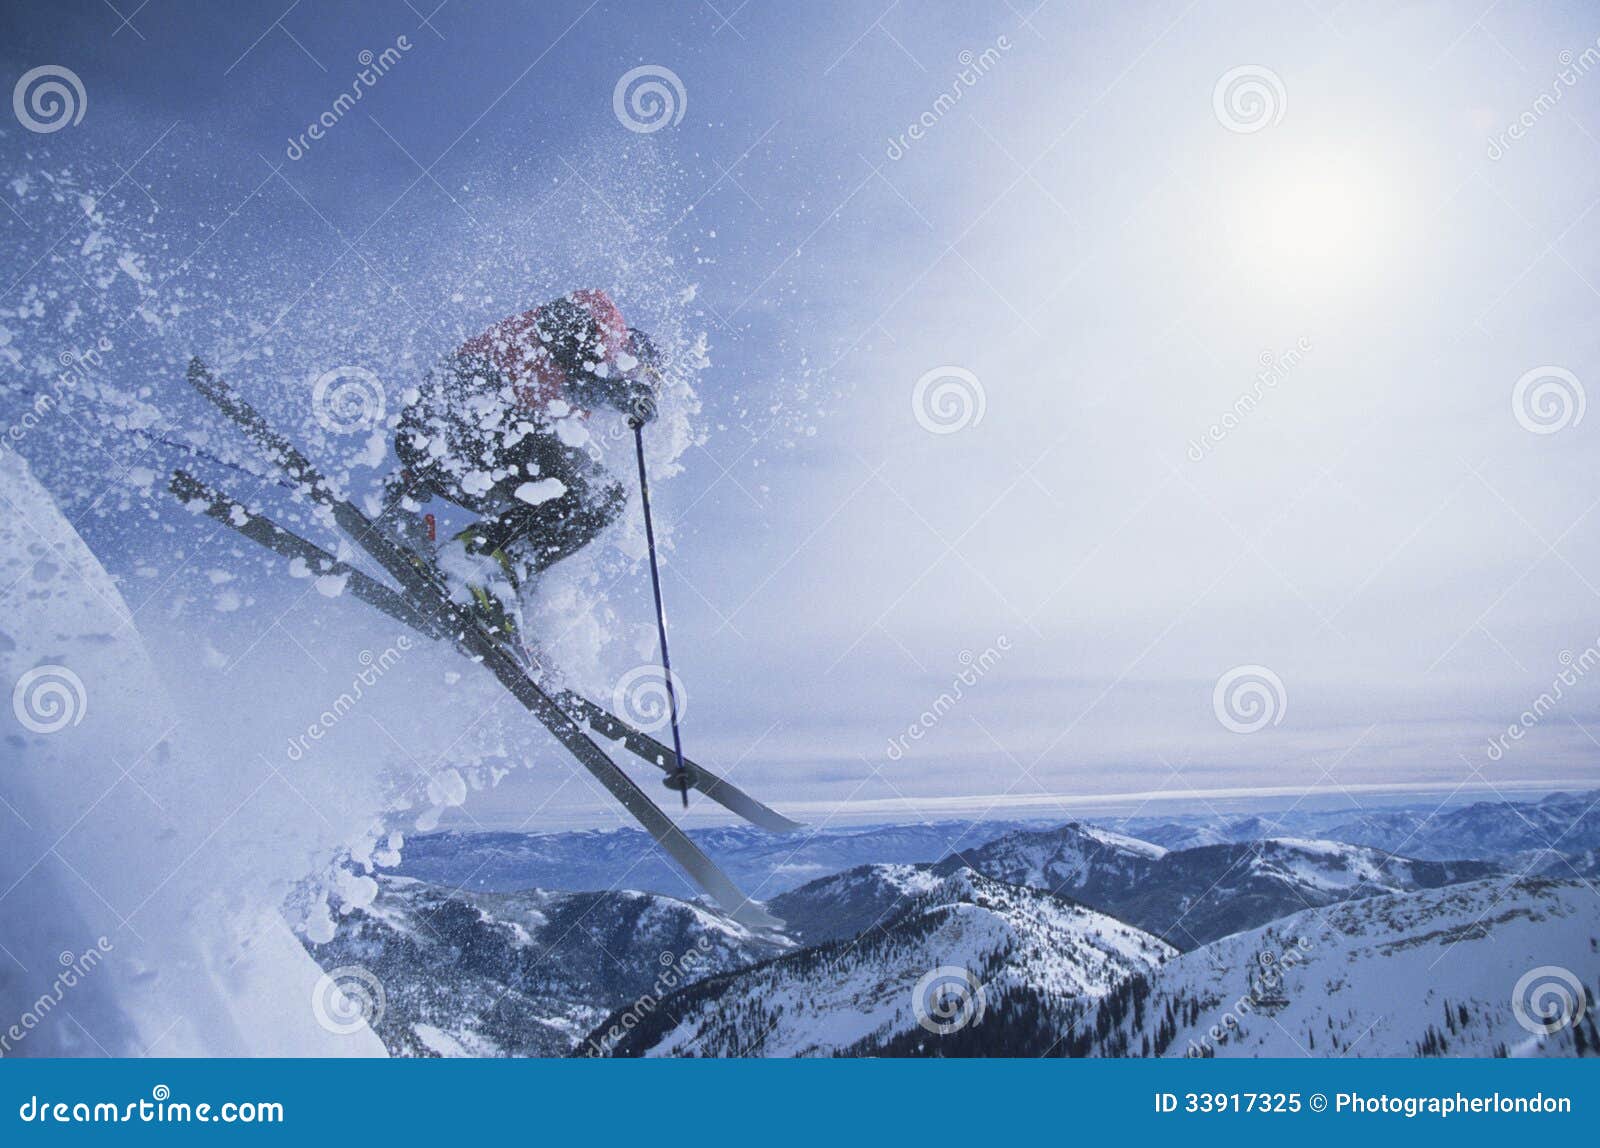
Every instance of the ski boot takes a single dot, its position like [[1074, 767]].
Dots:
[[498, 615]]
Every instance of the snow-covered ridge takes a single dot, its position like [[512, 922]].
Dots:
[[1024, 949], [1434, 972], [1186, 896], [525, 973]]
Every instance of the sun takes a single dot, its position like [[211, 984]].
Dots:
[[1318, 222]]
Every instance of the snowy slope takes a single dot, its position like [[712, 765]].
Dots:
[[1430, 972], [120, 833], [526, 973], [1197, 895], [1033, 954], [849, 903], [1064, 859]]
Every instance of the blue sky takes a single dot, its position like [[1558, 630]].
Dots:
[[1086, 237]]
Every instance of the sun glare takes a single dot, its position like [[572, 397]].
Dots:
[[1318, 223]]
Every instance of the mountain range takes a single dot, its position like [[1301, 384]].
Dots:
[[1188, 897], [971, 938]]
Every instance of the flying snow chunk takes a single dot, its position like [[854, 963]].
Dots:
[[447, 788], [572, 432], [533, 493], [377, 449], [332, 585], [129, 263]]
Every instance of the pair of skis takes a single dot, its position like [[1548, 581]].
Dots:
[[423, 603]]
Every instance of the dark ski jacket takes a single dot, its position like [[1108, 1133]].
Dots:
[[516, 379]]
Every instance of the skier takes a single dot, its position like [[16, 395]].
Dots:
[[498, 429]]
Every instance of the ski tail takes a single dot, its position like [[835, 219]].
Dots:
[[264, 532], [718, 789]]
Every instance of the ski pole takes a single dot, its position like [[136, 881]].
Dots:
[[680, 777]]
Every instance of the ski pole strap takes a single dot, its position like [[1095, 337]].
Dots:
[[680, 777]]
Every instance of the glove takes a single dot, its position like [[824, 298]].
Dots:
[[641, 407]]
